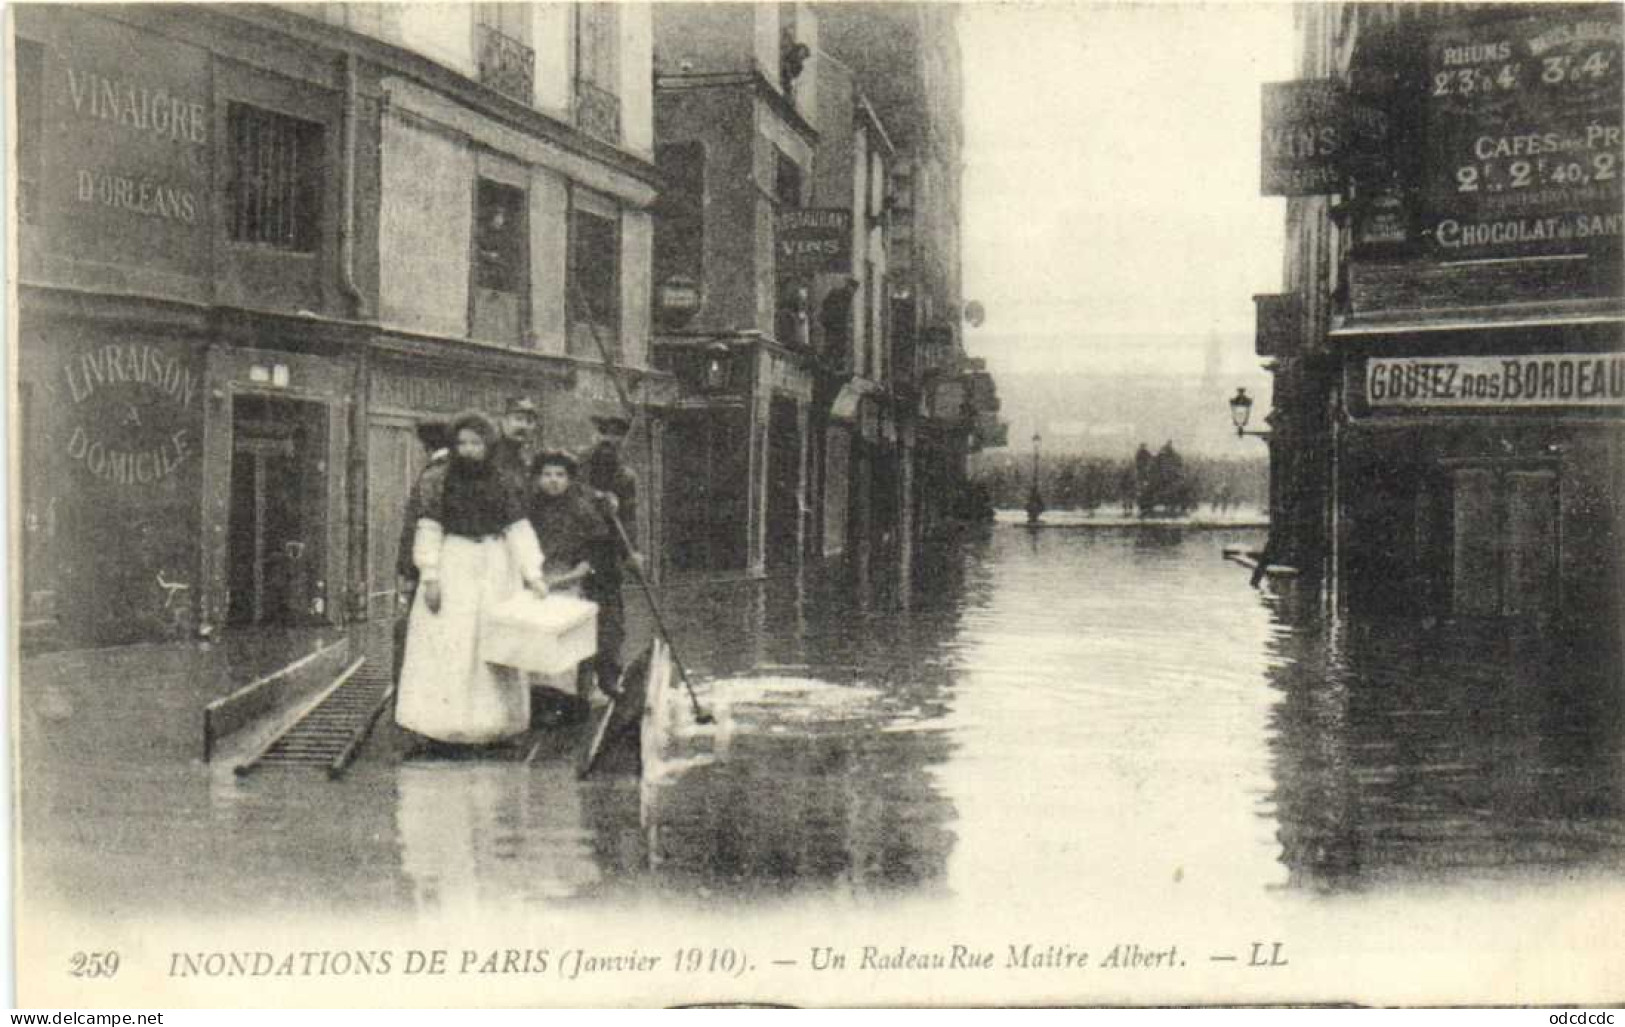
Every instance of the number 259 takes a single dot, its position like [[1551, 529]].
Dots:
[[93, 964]]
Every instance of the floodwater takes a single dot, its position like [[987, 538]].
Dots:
[[1060, 714]]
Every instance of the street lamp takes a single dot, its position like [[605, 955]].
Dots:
[[1035, 499], [718, 366], [1241, 408]]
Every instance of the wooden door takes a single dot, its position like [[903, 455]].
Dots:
[[394, 460]]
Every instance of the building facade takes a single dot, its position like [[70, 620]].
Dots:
[[938, 403], [1449, 430], [734, 104], [259, 244]]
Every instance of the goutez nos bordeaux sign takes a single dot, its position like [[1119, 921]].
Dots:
[[1595, 380]]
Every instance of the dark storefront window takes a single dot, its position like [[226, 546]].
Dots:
[[275, 188], [1504, 552], [1463, 538], [594, 277], [30, 65], [707, 490]]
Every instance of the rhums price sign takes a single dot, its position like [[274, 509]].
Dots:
[[1526, 152]]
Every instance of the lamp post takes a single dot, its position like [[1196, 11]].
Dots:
[[1035, 499], [1241, 408]]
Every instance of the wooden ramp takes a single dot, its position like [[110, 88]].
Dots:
[[331, 730]]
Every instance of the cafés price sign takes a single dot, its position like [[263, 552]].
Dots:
[[1526, 149]]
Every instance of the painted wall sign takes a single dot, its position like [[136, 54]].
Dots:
[[439, 394], [1525, 141], [133, 412], [811, 240], [128, 139], [1544, 380], [1305, 129]]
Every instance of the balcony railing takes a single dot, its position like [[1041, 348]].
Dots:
[[506, 64], [598, 112]]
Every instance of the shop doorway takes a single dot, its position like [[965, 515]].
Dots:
[[707, 500], [395, 457], [783, 531], [1504, 540], [276, 538]]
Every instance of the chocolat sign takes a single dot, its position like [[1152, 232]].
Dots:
[[1526, 147], [810, 240], [1539, 380]]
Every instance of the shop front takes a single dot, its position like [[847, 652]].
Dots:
[[734, 453], [111, 429], [1486, 479], [406, 391], [183, 446]]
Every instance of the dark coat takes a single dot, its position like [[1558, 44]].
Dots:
[[566, 526]]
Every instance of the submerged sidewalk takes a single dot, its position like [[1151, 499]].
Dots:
[[97, 696]]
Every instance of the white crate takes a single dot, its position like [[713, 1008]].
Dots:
[[547, 636]]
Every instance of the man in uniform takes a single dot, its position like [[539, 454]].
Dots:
[[616, 487], [517, 447]]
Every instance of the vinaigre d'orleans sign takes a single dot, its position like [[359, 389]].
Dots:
[[811, 240], [1542, 380], [1525, 144]]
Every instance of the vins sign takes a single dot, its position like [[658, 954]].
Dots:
[[810, 240], [1305, 129]]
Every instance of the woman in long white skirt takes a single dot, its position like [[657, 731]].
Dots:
[[474, 548]]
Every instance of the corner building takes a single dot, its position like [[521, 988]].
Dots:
[[260, 244], [1451, 377]]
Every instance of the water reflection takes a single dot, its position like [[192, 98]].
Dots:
[[1454, 752], [1062, 718]]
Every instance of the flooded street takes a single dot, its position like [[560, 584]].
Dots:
[[1068, 714]]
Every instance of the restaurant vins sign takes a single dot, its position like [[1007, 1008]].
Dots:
[[810, 240], [1540, 380]]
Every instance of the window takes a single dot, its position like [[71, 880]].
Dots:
[[594, 279], [679, 244], [275, 178], [598, 69], [500, 259], [499, 237], [790, 314], [30, 65], [786, 180], [507, 61]]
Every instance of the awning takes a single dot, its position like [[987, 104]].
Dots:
[[1531, 315]]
